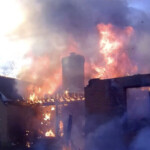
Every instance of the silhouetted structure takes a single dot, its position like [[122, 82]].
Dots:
[[73, 73], [8, 87], [105, 99]]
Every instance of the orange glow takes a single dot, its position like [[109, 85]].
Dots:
[[61, 128], [61, 98], [28, 144], [112, 48], [53, 108], [50, 133], [47, 116], [145, 88], [43, 75], [32, 97]]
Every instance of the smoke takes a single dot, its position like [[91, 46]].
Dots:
[[59, 27], [107, 136], [141, 141], [115, 135], [50, 21], [112, 135], [138, 103]]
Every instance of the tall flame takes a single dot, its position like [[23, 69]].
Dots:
[[43, 74], [112, 48]]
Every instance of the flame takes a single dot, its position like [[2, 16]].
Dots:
[[50, 133], [60, 98], [66, 94], [145, 88], [61, 128], [112, 46], [53, 108], [32, 97], [47, 116], [72, 46], [28, 144], [43, 74]]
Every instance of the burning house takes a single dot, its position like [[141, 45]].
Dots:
[[30, 118], [56, 118], [23, 124], [15, 123], [48, 104]]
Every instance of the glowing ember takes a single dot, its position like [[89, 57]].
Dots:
[[112, 47], [61, 128], [66, 92], [32, 97], [47, 117], [28, 144], [53, 108], [50, 133]]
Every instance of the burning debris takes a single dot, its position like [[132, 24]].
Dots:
[[65, 97]]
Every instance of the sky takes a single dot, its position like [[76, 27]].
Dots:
[[12, 49], [140, 4]]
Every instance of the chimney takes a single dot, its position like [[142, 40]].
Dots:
[[73, 73]]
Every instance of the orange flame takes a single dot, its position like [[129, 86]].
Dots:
[[61, 128], [47, 116], [112, 46], [50, 133], [44, 74], [28, 144]]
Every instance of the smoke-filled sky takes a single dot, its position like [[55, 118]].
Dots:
[[34, 29]]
